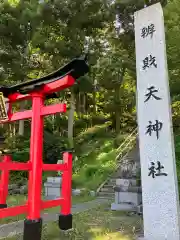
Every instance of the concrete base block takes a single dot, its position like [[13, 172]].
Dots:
[[122, 207], [76, 192], [57, 180], [125, 182], [51, 197], [128, 197]]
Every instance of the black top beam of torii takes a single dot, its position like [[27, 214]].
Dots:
[[76, 68]]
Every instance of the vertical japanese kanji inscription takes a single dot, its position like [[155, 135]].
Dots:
[[158, 169]]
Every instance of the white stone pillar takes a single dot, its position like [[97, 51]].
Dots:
[[158, 169]]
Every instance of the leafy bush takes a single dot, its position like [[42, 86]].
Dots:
[[97, 120], [21, 156], [17, 143], [19, 177], [87, 121], [91, 171], [177, 152], [54, 146], [176, 115], [98, 131]]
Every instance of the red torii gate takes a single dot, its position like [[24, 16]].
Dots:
[[37, 90]]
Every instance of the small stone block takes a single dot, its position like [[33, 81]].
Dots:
[[126, 197], [52, 189], [121, 207], [54, 180], [123, 182], [117, 198], [76, 192], [92, 193], [50, 197]]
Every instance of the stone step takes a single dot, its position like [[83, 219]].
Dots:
[[106, 194], [108, 188], [127, 158], [112, 183], [104, 189], [117, 175], [109, 185], [106, 197], [117, 172], [122, 207], [113, 179]]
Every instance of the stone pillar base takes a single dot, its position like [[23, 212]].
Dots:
[[122, 207]]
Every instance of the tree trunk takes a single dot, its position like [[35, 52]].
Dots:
[[78, 110], [10, 132], [14, 129], [80, 105], [94, 103], [23, 103], [117, 99], [84, 103], [117, 111], [94, 94], [21, 122], [71, 120]]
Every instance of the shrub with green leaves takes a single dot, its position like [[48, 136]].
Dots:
[[54, 146]]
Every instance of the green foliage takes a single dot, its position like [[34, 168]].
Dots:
[[18, 24], [37, 38], [19, 177], [18, 143], [177, 152], [90, 171], [98, 131], [95, 157], [21, 156], [176, 115], [54, 146]]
